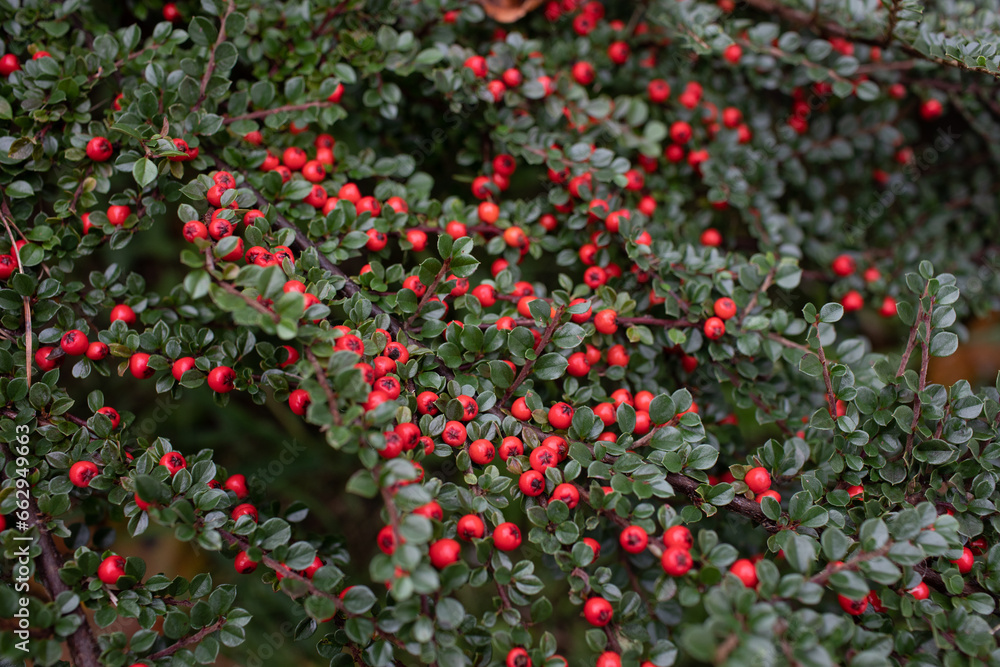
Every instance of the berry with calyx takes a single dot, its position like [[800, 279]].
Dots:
[[676, 561], [598, 611], [110, 569], [174, 462], [81, 472]]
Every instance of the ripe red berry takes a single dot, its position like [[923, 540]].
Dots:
[[634, 539], [482, 452], [583, 73], [561, 415], [454, 434], [507, 537], [243, 564], [74, 342], [676, 561], [715, 328], [110, 569], [237, 484], [111, 414], [608, 659], [733, 53], [567, 493], [965, 561], [745, 571], [606, 321], [853, 607], [844, 265], [724, 308], [221, 379], [921, 591], [99, 149], [678, 536], [81, 472], [758, 479], [173, 462], [9, 64], [931, 109], [124, 313], [711, 237], [444, 552], [298, 401], [518, 657], [471, 527], [138, 365], [852, 301], [118, 214], [598, 611], [244, 509], [658, 91], [97, 351]]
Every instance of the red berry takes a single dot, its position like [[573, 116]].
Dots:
[[518, 657], [844, 265], [507, 537], [758, 479], [715, 328], [99, 149], [482, 452], [634, 539], [471, 527], [965, 561], [561, 415], [237, 484], [221, 379], [606, 321], [853, 607], [74, 342], [81, 472], [243, 564], [173, 462], [745, 571], [678, 536], [97, 351], [725, 308], [598, 611], [111, 414], [244, 509], [110, 569], [444, 552], [676, 561]]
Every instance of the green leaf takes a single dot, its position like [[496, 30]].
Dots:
[[144, 172]]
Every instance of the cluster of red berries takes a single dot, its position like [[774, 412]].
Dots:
[[844, 266]]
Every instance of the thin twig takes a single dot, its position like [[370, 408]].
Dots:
[[210, 67]]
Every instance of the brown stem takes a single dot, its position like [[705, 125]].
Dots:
[[331, 399], [253, 303], [829, 29], [851, 564], [768, 280], [530, 363], [8, 218], [188, 641], [262, 113], [210, 67], [79, 190], [82, 646], [925, 346], [831, 398], [429, 292]]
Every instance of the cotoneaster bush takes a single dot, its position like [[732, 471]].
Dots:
[[587, 301]]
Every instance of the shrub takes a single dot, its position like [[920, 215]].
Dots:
[[586, 308]]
